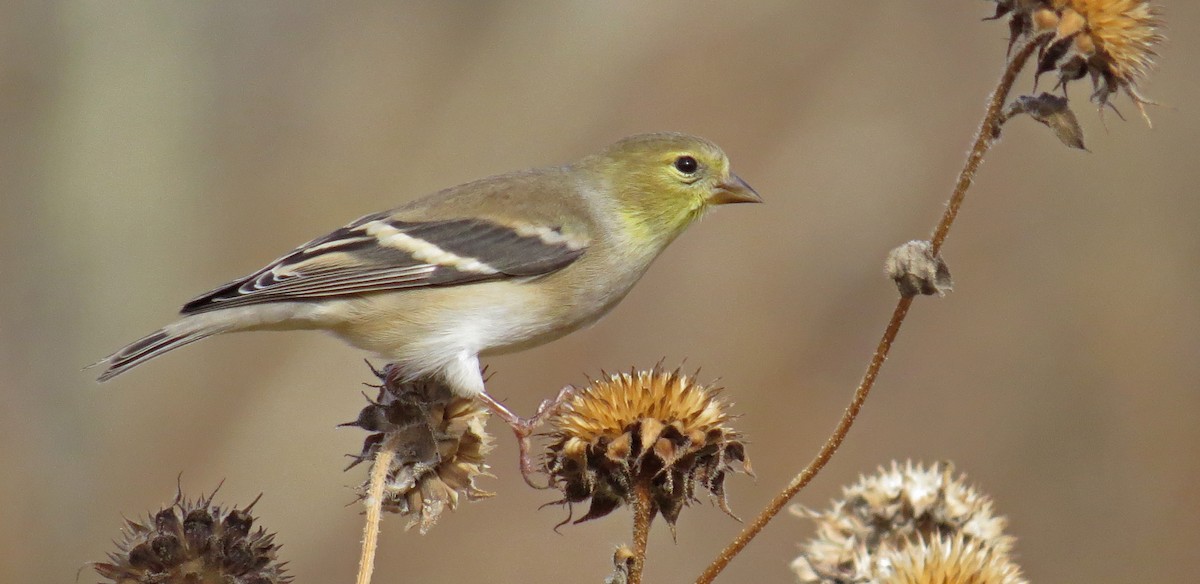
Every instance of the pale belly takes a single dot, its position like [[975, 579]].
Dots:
[[426, 330]]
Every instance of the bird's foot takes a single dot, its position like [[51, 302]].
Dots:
[[523, 427]]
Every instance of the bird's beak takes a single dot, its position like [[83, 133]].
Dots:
[[733, 190]]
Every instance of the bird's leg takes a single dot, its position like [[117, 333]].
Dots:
[[523, 427]]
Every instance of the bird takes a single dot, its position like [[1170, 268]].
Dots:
[[489, 267]]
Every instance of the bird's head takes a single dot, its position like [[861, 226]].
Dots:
[[663, 182]]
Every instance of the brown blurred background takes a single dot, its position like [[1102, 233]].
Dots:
[[152, 150]]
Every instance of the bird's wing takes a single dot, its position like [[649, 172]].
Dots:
[[379, 253]]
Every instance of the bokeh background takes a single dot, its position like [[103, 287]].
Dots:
[[152, 150]]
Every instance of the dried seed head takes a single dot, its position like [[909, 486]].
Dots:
[[194, 542], [956, 559], [1114, 41], [654, 426], [1123, 34], [441, 444], [885, 515]]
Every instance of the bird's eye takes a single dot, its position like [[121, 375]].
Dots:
[[686, 164]]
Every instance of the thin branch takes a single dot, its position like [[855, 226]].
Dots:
[[988, 131], [984, 139], [374, 505], [643, 514], [831, 445]]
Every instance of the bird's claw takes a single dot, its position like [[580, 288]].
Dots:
[[523, 427], [549, 407]]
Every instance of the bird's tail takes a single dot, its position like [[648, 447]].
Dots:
[[152, 345]]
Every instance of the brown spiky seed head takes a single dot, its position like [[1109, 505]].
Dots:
[[1113, 41], [655, 426], [954, 559], [889, 512], [441, 447], [194, 542]]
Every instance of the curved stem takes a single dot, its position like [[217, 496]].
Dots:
[[374, 505], [831, 445], [984, 139], [643, 513]]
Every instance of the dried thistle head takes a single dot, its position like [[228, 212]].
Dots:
[[949, 560], [658, 427], [890, 514], [440, 447], [195, 542], [1113, 41]]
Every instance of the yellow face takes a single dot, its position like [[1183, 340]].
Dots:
[[663, 182]]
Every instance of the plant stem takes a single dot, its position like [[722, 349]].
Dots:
[[643, 513], [831, 445], [984, 139], [374, 505]]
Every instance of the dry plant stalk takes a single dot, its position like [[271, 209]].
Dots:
[[831, 445], [983, 141], [374, 506], [643, 514], [1111, 40]]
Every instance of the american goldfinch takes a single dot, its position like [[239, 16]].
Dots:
[[489, 267]]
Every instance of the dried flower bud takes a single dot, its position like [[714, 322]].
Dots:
[[915, 270], [654, 426], [622, 565], [195, 542], [1112, 40], [441, 446], [1051, 111], [889, 515]]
